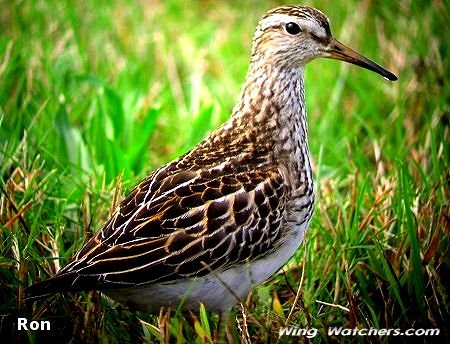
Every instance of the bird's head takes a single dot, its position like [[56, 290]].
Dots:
[[291, 36]]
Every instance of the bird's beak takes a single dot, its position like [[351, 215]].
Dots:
[[337, 50]]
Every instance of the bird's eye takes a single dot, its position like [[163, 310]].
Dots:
[[293, 28]]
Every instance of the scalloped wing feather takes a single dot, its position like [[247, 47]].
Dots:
[[185, 224]]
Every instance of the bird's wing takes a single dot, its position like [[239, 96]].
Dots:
[[181, 225]]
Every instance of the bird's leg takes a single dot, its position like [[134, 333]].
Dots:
[[223, 333]]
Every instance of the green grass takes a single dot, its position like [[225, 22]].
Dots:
[[93, 93]]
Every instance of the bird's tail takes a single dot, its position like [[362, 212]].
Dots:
[[56, 284]]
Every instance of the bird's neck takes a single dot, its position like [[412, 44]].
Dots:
[[273, 98], [272, 108]]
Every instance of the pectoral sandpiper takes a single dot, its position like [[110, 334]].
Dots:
[[212, 224]]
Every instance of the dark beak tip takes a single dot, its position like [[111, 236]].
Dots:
[[392, 77]]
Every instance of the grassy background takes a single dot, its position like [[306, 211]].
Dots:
[[95, 95]]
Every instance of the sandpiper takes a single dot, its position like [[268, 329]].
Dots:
[[222, 218]]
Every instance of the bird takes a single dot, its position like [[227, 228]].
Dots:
[[222, 218]]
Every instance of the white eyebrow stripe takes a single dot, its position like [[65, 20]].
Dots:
[[309, 23]]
